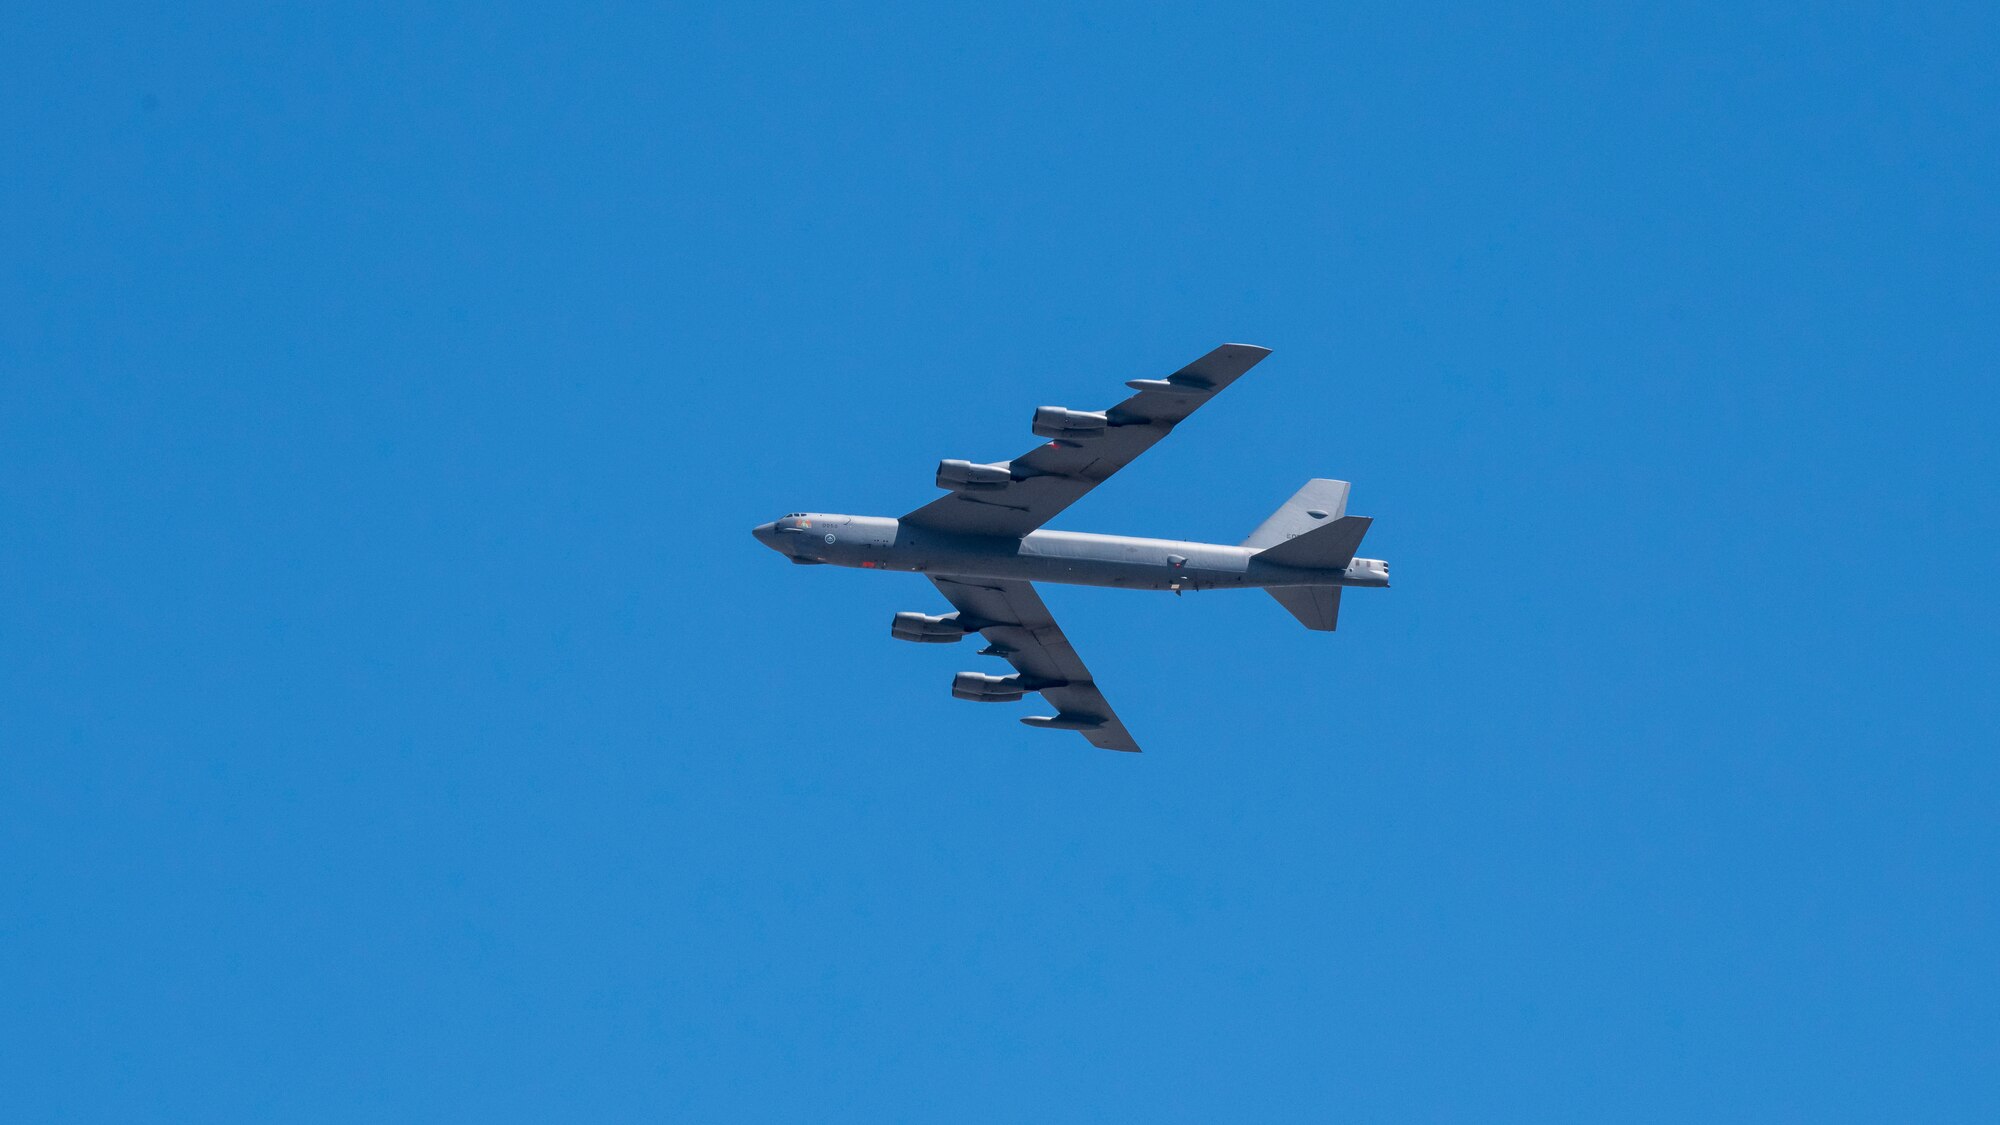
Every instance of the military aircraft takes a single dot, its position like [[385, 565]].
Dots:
[[982, 545]]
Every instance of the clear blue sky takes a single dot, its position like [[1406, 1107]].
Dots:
[[400, 723]]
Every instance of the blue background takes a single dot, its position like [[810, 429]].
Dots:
[[400, 723]]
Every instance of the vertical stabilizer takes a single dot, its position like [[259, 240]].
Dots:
[[1319, 502]]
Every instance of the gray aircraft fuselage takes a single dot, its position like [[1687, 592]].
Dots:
[[1075, 558]]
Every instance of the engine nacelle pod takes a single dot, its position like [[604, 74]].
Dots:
[[982, 688], [966, 476], [1058, 422], [926, 638], [927, 630]]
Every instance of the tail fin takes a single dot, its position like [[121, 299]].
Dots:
[[1316, 607], [1309, 507]]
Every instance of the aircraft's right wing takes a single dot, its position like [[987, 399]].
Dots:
[[1018, 628]]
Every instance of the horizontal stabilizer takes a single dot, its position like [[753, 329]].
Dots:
[[1330, 546], [1316, 607]]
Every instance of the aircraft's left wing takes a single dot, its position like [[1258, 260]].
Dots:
[[1017, 627], [1015, 497]]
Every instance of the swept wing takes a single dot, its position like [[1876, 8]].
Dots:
[[1018, 627], [1053, 476]]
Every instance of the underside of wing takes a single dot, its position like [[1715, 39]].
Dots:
[[1015, 497], [1018, 628]]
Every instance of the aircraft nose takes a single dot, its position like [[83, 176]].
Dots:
[[765, 532]]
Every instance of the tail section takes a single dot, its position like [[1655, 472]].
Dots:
[[1313, 531], [1310, 507], [1316, 607], [1330, 546]]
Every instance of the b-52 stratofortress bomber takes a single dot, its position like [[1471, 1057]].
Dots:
[[982, 545]]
